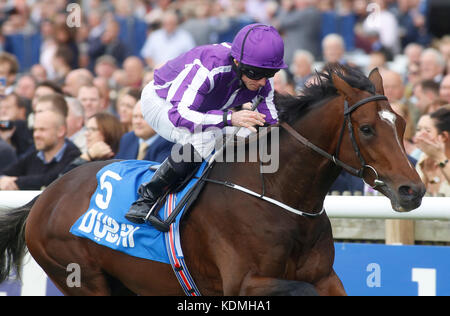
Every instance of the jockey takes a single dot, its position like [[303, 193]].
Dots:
[[195, 92]]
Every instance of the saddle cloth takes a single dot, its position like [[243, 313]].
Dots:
[[105, 222]]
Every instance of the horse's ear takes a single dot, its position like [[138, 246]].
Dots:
[[377, 80], [343, 88]]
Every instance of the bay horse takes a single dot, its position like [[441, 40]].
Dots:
[[235, 244]]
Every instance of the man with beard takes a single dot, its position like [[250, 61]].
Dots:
[[42, 166]]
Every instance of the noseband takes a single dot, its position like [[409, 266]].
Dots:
[[334, 158]]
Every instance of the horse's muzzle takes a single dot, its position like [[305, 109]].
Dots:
[[410, 197]]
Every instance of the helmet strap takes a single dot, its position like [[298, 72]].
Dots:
[[238, 70]]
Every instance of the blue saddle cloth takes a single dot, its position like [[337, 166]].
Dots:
[[105, 222]]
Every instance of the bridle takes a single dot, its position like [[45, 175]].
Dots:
[[347, 123]]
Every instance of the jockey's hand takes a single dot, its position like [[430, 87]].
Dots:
[[248, 119]]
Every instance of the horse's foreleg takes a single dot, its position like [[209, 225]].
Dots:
[[331, 286], [260, 286]]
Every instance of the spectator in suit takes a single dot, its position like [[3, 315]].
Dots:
[[143, 143], [41, 167]]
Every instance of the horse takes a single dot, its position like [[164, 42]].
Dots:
[[233, 243]]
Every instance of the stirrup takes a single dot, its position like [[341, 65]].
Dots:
[[154, 219]]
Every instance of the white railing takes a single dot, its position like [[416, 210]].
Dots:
[[13, 199], [363, 207], [379, 207]]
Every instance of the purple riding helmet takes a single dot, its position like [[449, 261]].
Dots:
[[260, 46]]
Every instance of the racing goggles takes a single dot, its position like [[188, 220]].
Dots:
[[256, 73]]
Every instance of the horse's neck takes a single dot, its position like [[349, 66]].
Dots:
[[306, 175]]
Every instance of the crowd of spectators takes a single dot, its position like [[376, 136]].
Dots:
[[99, 55]]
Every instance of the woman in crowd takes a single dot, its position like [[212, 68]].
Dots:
[[433, 138], [103, 134]]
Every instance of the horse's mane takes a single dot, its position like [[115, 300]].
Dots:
[[291, 108]]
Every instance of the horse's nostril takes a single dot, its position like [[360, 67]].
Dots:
[[412, 192], [407, 191]]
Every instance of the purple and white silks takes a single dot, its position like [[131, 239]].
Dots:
[[190, 94]]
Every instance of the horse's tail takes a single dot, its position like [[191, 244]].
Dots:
[[12, 239]]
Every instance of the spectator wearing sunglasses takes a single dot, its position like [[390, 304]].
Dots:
[[197, 91]]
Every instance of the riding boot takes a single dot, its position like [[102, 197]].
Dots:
[[168, 175]]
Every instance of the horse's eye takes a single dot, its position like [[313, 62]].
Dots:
[[366, 130]]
